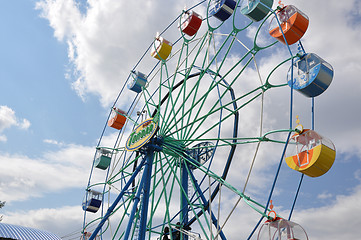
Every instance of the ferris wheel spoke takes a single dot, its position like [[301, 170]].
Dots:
[[201, 101], [200, 120], [194, 97], [194, 106], [195, 202], [181, 95], [205, 203], [161, 201], [124, 172], [150, 103], [168, 108], [124, 217], [169, 115]]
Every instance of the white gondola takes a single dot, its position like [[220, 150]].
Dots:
[[281, 229]]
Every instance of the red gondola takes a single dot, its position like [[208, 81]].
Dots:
[[190, 23]]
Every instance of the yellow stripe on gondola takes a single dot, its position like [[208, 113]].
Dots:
[[320, 161]]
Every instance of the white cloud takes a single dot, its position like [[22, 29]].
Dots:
[[64, 17], [51, 141], [24, 124], [54, 142], [337, 220], [103, 47], [324, 195], [22, 177], [8, 119], [60, 221], [3, 138]]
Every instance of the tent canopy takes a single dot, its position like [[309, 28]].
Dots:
[[8, 231]]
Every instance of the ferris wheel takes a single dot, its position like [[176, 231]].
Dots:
[[173, 171]]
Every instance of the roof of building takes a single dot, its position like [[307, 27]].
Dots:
[[25, 233]]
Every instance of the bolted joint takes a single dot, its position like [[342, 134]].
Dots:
[[155, 144]]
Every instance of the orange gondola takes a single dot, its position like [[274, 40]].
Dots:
[[117, 119], [293, 24], [310, 153]]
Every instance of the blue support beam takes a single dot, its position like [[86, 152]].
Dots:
[[135, 206], [206, 203], [146, 191], [184, 197], [115, 203]]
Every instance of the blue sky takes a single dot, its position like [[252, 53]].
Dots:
[[35, 90], [62, 64], [34, 84]]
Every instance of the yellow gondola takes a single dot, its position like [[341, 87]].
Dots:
[[310, 153], [161, 48]]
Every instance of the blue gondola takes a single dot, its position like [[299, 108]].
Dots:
[[222, 9], [92, 201], [311, 75], [256, 10], [137, 81]]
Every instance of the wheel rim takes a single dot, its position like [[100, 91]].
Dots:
[[183, 137]]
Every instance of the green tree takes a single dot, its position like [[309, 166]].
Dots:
[[2, 204]]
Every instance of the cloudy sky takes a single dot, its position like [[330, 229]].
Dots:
[[63, 63]]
